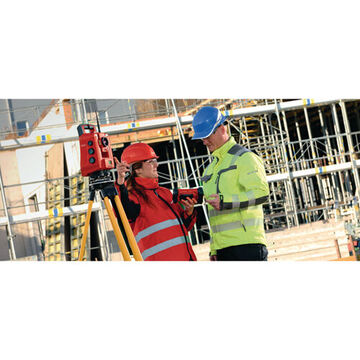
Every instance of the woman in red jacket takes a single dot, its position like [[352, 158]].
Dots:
[[160, 227]]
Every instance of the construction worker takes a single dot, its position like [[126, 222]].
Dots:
[[235, 188], [160, 227]]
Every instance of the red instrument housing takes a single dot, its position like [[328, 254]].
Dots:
[[95, 151], [183, 194]]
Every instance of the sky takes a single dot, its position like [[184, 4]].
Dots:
[[30, 109]]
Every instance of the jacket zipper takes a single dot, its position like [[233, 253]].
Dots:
[[241, 221], [217, 182], [177, 217]]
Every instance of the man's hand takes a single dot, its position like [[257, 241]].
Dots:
[[189, 205], [213, 258], [214, 201], [122, 168]]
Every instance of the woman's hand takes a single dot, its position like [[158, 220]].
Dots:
[[122, 168], [189, 205]]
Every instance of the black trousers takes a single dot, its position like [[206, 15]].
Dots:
[[247, 252]]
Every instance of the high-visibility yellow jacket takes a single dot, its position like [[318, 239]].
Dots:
[[238, 176]]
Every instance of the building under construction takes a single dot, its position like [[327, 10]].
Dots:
[[310, 150]]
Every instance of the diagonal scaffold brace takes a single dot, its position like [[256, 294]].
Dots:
[[103, 182]]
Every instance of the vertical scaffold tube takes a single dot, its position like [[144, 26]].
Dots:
[[287, 181], [188, 155], [12, 254], [351, 148], [315, 162]]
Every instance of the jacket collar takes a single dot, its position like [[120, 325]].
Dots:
[[222, 150], [147, 183]]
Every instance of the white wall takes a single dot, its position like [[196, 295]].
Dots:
[[31, 160]]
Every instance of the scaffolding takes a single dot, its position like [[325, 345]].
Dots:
[[309, 147]]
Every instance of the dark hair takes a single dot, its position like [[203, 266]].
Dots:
[[131, 184]]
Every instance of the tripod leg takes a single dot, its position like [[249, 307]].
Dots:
[[129, 233], [87, 222], [117, 232]]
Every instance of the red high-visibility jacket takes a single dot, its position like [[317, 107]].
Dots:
[[159, 228]]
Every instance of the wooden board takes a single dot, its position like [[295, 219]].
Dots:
[[55, 162]]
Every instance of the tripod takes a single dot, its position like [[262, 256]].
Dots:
[[102, 181]]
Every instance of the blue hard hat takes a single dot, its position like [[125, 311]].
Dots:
[[206, 120]]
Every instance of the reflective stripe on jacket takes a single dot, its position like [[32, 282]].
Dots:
[[157, 229], [238, 176]]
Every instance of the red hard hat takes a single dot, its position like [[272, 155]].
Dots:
[[138, 152]]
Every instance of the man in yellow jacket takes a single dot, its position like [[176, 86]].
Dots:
[[235, 188]]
